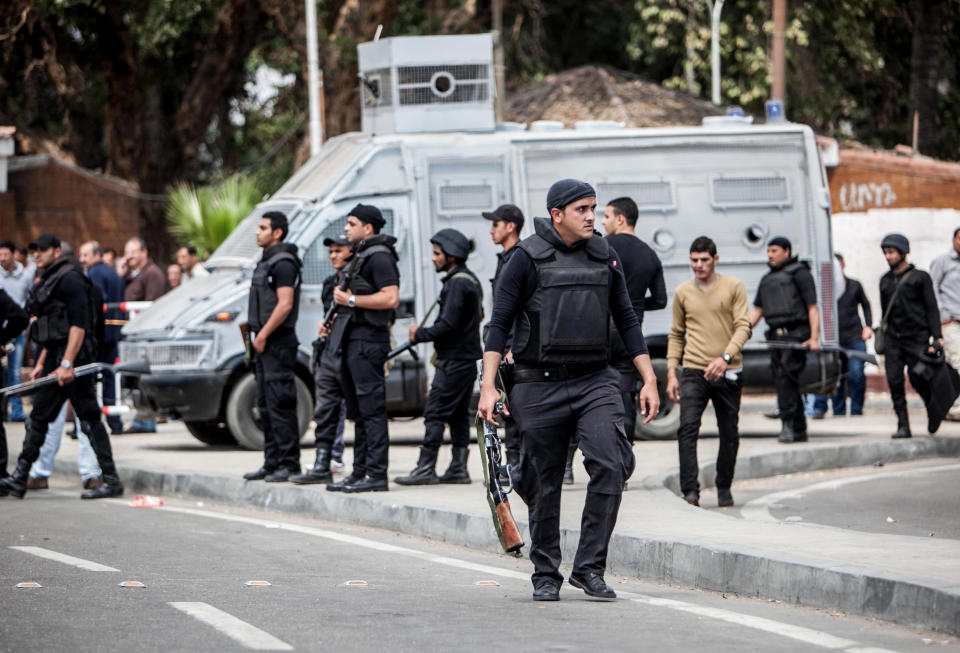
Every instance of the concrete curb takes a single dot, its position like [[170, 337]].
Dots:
[[693, 562]]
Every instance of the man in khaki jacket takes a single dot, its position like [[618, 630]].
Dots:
[[710, 327]]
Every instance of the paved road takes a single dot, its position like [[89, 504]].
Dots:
[[420, 595]]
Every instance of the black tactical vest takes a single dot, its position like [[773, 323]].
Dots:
[[263, 291], [782, 304], [360, 286], [565, 320], [52, 327]]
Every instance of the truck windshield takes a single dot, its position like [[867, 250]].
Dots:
[[240, 248]]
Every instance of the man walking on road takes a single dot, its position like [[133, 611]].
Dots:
[[456, 339], [330, 406], [710, 327], [787, 301], [909, 308], [66, 305], [361, 334], [272, 314], [560, 289], [945, 274]]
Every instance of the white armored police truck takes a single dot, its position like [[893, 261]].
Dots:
[[431, 156]]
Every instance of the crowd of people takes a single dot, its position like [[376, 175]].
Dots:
[[563, 347], [27, 276]]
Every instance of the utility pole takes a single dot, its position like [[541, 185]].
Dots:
[[497, 9], [715, 9], [779, 50], [313, 78]]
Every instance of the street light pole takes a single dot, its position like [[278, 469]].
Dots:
[[313, 78], [715, 50]]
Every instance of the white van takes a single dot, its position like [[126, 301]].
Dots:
[[431, 157]]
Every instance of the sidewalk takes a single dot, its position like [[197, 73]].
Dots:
[[908, 579]]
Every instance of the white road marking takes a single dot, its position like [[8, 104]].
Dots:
[[236, 629], [64, 558], [759, 509], [798, 633]]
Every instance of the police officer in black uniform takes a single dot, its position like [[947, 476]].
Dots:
[[559, 290], [914, 319], [361, 333], [787, 301], [67, 306], [456, 338], [13, 320], [507, 223], [272, 313], [329, 407]]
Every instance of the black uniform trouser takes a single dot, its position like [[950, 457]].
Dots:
[[47, 401], [589, 408], [365, 390], [278, 403], [896, 355], [449, 403], [3, 449], [328, 399], [695, 392], [787, 365]]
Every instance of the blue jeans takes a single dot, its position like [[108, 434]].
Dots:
[[853, 382], [86, 458], [14, 363]]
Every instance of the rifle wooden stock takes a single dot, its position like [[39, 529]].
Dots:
[[511, 539]]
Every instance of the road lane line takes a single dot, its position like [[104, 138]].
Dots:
[[64, 558], [759, 509], [789, 631], [236, 629]]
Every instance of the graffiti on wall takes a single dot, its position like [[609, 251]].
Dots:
[[860, 197]]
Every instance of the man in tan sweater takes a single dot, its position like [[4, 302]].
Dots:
[[710, 327]]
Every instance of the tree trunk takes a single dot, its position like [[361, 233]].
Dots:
[[925, 72]]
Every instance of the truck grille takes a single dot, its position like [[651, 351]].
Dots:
[[166, 354]]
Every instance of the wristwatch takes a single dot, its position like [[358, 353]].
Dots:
[[65, 364], [726, 358], [352, 301]]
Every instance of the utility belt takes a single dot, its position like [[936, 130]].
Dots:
[[551, 373]]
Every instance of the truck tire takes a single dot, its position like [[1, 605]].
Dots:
[[213, 433], [242, 412], [665, 424]]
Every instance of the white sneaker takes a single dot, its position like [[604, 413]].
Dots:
[[336, 466]]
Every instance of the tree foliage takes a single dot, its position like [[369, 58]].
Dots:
[[204, 217]]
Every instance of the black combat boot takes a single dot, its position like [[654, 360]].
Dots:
[[568, 468], [788, 434], [110, 486], [16, 483], [903, 426], [319, 473], [425, 473], [352, 479], [457, 471]]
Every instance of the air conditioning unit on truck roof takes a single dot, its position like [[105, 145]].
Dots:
[[430, 156]]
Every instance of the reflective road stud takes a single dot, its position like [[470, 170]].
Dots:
[[28, 586], [355, 583], [487, 583], [131, 583], [258, 583]]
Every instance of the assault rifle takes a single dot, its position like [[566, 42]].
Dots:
[[137, 368], [409, 346], [797, 346], [343, 285], [506, 526]]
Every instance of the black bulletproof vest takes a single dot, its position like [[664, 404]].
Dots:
[[565, 320], [780, 296], [360, 286], [263, 291], [52, 327]]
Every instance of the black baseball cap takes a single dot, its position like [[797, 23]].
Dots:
[[507, 213], [339, 239], [45, 241]]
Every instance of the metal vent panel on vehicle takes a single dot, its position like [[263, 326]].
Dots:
[[166, 354], [443, 84], [758, 190], [649, 195], [470, 197]]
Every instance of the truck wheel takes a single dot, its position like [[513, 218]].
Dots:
[[243, 417], [213, 433], [665, 424]]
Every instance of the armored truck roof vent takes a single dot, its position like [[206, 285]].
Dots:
[[413, 84]]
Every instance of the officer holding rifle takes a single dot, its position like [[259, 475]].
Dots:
[[560, 290]]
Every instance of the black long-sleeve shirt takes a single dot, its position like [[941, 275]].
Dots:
[[643, 271], [915, 316], [13, 319], [456, 332], [848, 316], [518, 283]]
